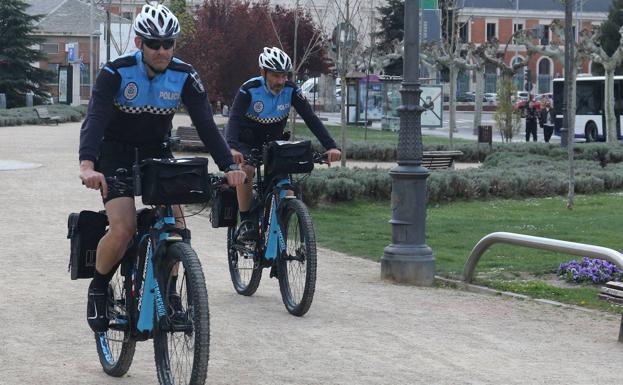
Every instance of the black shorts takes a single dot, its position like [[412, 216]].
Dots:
[[117, 155]]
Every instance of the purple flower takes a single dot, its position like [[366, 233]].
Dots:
[[590, 270]]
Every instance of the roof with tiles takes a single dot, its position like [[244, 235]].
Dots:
[[67, 17], [538, 5]]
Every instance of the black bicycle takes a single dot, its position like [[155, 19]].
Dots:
[[159, 291], [287, 241]]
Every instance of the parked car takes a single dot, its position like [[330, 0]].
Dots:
[[491, 97], [466, 97], [522, 95]]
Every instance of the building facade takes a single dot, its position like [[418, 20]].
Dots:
[[483, 20]]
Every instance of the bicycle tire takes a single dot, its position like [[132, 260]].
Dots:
[[173, 366], [240, 267], [299, 259], [116, 347]]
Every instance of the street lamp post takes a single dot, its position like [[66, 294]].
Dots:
[[408, 259]]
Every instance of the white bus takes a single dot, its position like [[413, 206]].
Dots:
[[590, 118]]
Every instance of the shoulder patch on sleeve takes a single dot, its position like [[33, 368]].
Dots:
[[196, 80], [299, 93]]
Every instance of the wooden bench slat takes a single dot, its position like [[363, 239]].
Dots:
[[612, 292], [615, 285], [608, 298]]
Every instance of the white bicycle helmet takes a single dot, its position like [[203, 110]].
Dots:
[[275, 60], [156, 22]]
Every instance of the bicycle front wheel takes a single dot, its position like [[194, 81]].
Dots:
[[115, 347], [182, 339], [296, 266]]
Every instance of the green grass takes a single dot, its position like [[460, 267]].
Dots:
[[362, 229], [357, 133]]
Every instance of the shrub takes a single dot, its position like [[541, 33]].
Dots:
[[590, 270]]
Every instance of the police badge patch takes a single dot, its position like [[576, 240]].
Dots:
[[258, 107], [130, 91]]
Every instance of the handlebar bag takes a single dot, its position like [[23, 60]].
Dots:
[[224, 208], [175, 181], [84, 230], [283, 157]]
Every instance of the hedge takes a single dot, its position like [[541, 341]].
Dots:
[[509, 175]]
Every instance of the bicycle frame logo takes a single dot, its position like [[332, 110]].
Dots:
[[151, 296], [275, 235]]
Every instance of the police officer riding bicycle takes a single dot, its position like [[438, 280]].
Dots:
[[132, 107], [259, 114]]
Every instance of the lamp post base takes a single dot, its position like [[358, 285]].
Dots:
[[414, 265]]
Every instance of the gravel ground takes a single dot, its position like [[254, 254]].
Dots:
[[360, 329]]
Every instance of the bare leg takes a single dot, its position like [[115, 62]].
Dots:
[[122, 226], [243, 192]]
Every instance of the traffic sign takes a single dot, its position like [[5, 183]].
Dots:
[[429, 4]]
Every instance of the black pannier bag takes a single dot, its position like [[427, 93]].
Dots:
[[85, 229], [224, 208], [175, 181], [288, 157]]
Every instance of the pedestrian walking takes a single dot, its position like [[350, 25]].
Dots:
[[547, 119], [531, 119]]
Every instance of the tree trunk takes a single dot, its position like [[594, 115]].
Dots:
[[343, 119], [454, 73], [480, 91], [570, 142], [611, 130]]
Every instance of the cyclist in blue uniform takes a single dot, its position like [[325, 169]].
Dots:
[[259, 115], [132, 106]]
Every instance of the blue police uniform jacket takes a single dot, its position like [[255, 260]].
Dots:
[[127, 106], [258, 116]]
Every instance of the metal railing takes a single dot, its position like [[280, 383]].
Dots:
[[580, 249]]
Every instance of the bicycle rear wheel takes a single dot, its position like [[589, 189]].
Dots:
[[182, 341], [296, 266], [244, 269], [115, 347]]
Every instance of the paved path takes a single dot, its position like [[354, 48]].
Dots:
[[360, 330]]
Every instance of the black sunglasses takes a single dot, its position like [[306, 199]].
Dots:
[[155, 44]]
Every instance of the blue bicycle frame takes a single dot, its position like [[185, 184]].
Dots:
[[275, 242], [152, 295]]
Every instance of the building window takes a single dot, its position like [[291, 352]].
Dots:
[[49, 47], [544, 34], [491, 31], [85, 74], [54, 68], [464, 33], [127, 15], [517, 27]]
